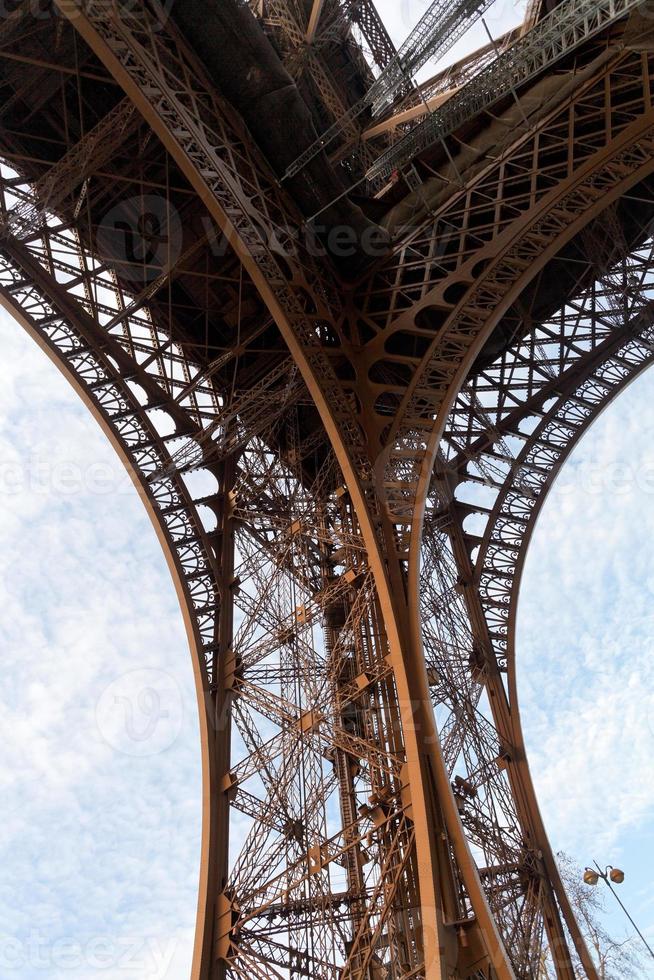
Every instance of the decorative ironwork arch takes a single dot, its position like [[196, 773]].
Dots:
[[370, 842], [513, 427]]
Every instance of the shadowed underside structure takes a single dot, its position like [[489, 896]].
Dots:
[[344, 371]]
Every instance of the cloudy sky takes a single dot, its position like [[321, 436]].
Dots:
[[586, 651], [100, 838]]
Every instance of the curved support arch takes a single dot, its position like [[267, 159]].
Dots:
[[512, 523], [516, 515], [502, 554], [125, 401], [509, 441]]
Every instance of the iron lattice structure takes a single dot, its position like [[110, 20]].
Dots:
[[344, 453]]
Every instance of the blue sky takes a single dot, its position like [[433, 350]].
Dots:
[[99, 843], [99, 840], [585, 649]]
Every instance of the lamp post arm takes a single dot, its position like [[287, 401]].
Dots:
[[607, 881]]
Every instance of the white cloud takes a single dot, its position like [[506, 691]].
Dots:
[[95, 843], [586, 647]]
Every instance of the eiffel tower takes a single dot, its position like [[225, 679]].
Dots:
[[344, 328]]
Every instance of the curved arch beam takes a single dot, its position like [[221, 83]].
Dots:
[[158, 73], [125, 400], [502, 554], [498, 438]]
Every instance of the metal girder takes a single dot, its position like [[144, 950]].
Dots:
[[314, 20], [69, 174], [512, 440], [439, 29], [365, 15], [570, 24], [289, 21], [441, 26], [331, 20], [431, 94], [320, 701]]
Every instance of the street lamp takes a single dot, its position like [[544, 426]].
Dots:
[[616, 876]]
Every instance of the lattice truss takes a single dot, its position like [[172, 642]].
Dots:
[[320, 827], [461, 249], [507, 437], [314, 767], [309, 739], [321, 831]]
